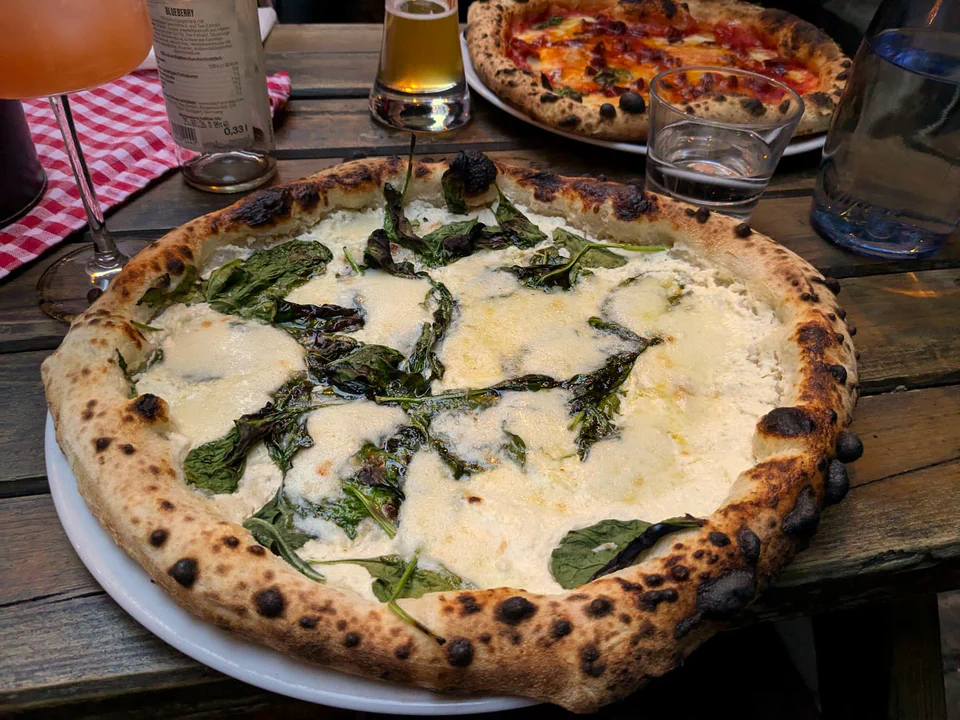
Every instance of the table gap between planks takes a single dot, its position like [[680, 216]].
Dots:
[[896, 536]]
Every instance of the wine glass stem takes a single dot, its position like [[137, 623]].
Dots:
[[106, 256]]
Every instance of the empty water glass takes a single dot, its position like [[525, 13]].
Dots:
[[722, 165]]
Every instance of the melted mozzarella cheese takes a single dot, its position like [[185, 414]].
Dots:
[[216, 368], [338, 432], [684, 431]]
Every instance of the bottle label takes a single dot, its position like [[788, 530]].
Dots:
[[200, 52]]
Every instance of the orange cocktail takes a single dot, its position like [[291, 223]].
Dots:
[[50, 47]]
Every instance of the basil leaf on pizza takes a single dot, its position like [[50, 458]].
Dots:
[[251, 288], [581, 553], [388, 570], [555, 272], [366, 370], [127, 375], [161, 294], [377, 254], [515, 448], [514, 225], [375, 490], [274, 527], [596, 550], [300, 320], [423, 365], [595, 397], [217, 466], [631, 553]]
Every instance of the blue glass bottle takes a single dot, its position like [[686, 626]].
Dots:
[[889, 181]]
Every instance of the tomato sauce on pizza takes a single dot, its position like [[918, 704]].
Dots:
[[596, 56]]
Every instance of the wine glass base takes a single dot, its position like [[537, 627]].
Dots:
[[72, 283]]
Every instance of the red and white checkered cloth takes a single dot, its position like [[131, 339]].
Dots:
[[126, 140]]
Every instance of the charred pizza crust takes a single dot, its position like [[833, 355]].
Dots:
[[579, 649], [487, 41]]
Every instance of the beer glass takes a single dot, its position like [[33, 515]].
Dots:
[[54, 47], [420, 84]]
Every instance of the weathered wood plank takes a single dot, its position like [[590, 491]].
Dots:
[[906, 431], [326, 74], [340, 127], [908, 328], [21, 423], [324, 38]]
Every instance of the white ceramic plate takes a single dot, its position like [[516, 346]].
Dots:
[[127, 583], [794, 148]]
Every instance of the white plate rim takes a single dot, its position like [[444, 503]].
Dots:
[[131, 587], [795, 147]]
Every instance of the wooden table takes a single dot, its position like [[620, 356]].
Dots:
[[70, 651]]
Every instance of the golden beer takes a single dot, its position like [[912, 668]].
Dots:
[[420, 84], [421, 50]]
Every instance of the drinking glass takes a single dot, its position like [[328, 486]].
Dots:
[[51, 48], [889, 182], [721, 165], [420, 84]]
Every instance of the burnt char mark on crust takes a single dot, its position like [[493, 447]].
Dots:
[[514, 610], [718, 598], [651, 599], [630, 203], [402, 652], [102, 443], [801, 522], [821, 100], [158, 537], [460, 652], [721, 597], [264, 207], [803, 38], [599, 607], [592, 192], [749, 545], [718, 539], [560, 628], [306, 195], [590, 661], [787, 422], [269, 603], [849, 447], [173, 264], [150, 407], [545, 184], [468, 604], [836, 484], [753, 106], [184, 571], [679, 572], [839, 373]]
